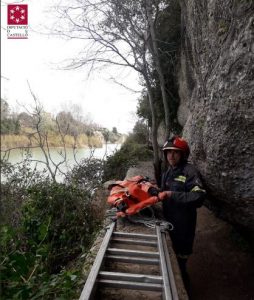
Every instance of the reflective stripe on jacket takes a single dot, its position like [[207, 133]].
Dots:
[[180, 208]]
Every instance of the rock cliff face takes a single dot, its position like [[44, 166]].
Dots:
[[217, 102]]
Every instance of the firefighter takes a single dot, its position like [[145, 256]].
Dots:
[[182, 193]]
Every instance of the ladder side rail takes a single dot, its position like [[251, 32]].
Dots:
[[169, 266], [89, 288], [166, 283]]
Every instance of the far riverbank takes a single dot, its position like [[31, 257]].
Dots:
[[9, 141]]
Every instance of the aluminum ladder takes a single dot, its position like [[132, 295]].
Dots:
[[164, 283]]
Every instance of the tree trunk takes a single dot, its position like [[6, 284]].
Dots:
[[156, 156], [155, 54]]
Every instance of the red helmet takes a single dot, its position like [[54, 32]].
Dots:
[[177, 143]]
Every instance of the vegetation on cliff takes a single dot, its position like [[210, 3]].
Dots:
[[136, 148]]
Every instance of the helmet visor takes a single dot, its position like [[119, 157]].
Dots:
[[172, 148]]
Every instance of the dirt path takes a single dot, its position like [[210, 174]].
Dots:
[[219, 267]]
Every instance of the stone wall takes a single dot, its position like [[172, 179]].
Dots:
[[217, 105]]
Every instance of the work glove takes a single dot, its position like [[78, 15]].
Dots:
[[165, 195]]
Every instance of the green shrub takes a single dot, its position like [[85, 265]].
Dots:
[[16, 179], [44, 227], [87, 174], [56, 226], [10, 126], [130, 153], [64, 211]]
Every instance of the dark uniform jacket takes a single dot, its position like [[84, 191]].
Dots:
[[180, 208]]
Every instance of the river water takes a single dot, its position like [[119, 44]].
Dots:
[[17, 156]]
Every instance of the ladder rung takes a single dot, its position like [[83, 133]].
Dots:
[[135, 235], [130, 277], [135, 242], [130, 285], [133, 260], [115, 251]]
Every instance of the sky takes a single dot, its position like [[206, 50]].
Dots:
[[37, 60]]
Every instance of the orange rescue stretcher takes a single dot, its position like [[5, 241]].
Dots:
[[131, 195]]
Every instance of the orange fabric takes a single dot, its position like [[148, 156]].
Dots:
[[137, 207], [133, 193]]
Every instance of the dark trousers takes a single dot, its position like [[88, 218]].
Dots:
[[182, 262]]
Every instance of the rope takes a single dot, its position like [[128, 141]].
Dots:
[[150, 222]]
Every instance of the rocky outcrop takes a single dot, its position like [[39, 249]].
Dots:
[[217, 105]]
